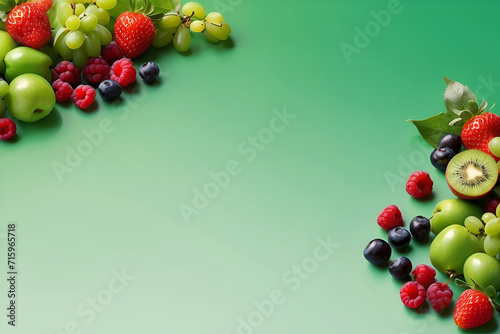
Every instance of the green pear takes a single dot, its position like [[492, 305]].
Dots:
[[23, 60], [7, 43], [453, 211]]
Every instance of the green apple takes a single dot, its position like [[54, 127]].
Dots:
[[482, 269], [453, 211], [451, 248], [7, 43], [30, 97], [23, 60]]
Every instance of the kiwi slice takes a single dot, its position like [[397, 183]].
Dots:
[[471, 174]]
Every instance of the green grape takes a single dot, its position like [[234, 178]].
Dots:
[[79, 2], [214, 17], [170, 20], [197, 26], [194, 9], [103, 34], [226, 27], [487, 216], [494, 146], [497, 211], [492, 244], [80, 58], [73, 22], [493, 227], [4, 88], [163, 37], [88, 23], [481, 242], [209, 37], [92, 44], [64, 10], [473, 224], [92, 9], [106, 4], [216, 31], [61, 47], [75, 39], [182, 39], [79, 9], [103, 17]]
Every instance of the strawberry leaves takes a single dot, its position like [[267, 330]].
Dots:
[[461, 105]]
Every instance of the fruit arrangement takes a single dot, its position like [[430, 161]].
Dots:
[[59, 50], [463, 232]]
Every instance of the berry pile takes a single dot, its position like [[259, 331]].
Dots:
[[83, 54], [466, 242]]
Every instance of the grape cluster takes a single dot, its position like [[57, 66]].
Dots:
[[487, 230], [83, 30], [175, 27]]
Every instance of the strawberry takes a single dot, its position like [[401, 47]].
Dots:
[[134, 33], [479, 130], [473, 309], [45, 4], [29, 25]]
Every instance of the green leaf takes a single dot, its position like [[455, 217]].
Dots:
[[491, 292], [457, 96], [52, 14], [434, 128], [461, 283]]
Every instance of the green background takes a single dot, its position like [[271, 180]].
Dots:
[[250, 258]]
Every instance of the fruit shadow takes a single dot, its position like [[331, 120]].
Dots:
[[422, 309], [50, 122], [490, 327]]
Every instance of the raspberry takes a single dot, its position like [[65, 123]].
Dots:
[[390, 217], [96, 70], [8, 128], [439, 295], [412, 294], [83, 96], [419, 184], [68, 72], [424, 275], [123, 72], [62, 89], [111, 53]]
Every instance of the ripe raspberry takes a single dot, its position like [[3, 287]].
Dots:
[[8, 128], [123, 72], [419, 184], [96, 70], [45, 4], [111, 53], [412, 294], [83, 96], [390, 217], [68, 72], [424, 275], [439, 295], [62, 89]]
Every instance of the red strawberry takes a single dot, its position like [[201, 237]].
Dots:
[[479, 130], [29, 25], [45, 4], [134, 33], [473, 309]]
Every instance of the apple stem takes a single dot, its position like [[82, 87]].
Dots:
[[38, 111]]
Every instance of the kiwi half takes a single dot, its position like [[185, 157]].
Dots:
[[471, 174]]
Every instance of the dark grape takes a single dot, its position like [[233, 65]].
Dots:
[[377, 251], [441, 156], [400, 268], [420, 227], [452, 141], [399, 238]]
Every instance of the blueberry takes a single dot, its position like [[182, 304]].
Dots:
[[441, 156], [420, 227], [377, 251], [110, 90], [399, 238], [400, 268], [149, 72], [452, 141]]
